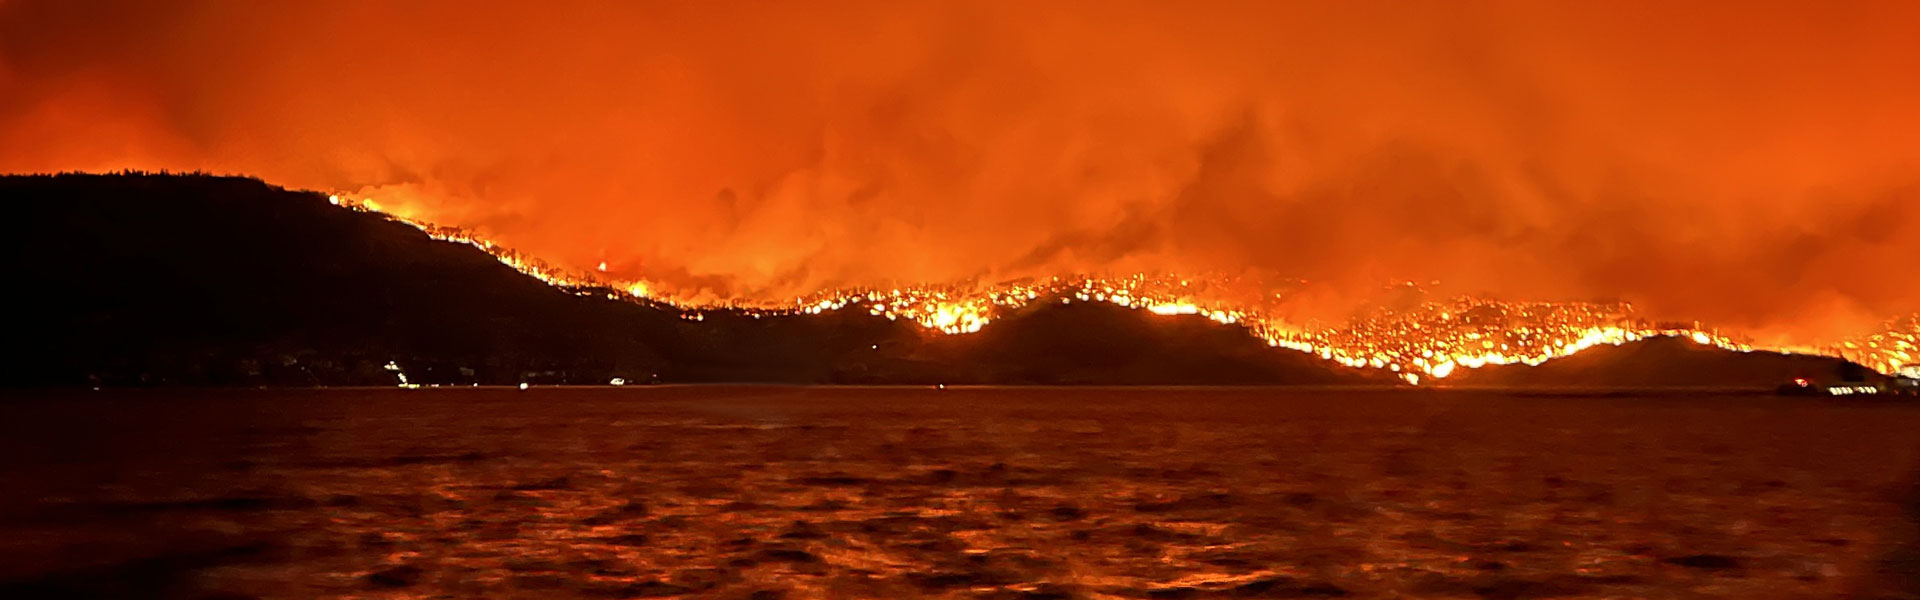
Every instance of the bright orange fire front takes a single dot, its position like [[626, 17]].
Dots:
[[1422, 343]]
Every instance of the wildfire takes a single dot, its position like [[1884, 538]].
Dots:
[[1429, 341], [1895, 348]]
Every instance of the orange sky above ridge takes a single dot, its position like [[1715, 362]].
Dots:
[[1752, 164]]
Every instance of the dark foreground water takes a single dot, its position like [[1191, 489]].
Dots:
[[991, 493]]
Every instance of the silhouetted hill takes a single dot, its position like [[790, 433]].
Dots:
[[138, 279], [1666, 362], [211, 280], [1098, 342]]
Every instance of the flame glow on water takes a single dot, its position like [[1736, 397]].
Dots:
[[1429, 342]]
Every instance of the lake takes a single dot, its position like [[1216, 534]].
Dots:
[[783, 492]]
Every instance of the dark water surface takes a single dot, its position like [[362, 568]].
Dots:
[[761, 493]]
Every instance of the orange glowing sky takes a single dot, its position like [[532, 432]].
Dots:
[[1753, 164]]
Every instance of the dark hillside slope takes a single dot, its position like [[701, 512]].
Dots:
[[138, 279], [1667, 362], [213, 280], [1098, 342]]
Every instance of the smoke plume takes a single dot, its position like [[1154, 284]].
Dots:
[[1751, 164]]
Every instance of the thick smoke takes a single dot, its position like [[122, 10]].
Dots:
[[1753, 165]]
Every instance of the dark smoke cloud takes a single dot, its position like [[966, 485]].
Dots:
[[1750, 164]]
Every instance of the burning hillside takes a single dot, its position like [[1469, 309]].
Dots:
[[1420, 340], [781, 156]]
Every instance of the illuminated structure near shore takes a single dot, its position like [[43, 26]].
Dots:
[[1424, 342]]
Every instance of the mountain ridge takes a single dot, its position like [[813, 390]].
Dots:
[[163, 279]]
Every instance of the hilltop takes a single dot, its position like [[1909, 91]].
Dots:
[[1667, 362], [158, 279]]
